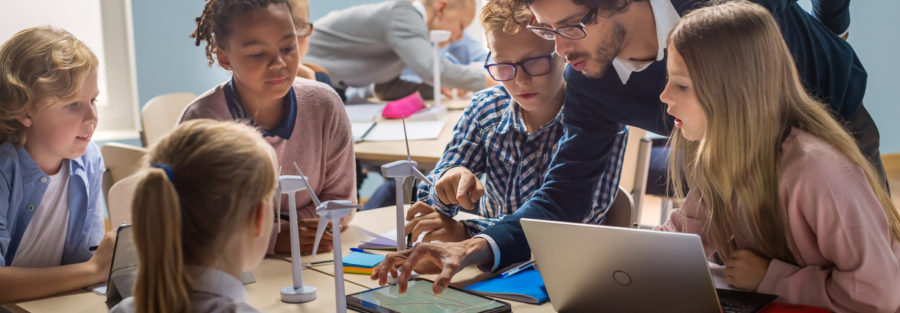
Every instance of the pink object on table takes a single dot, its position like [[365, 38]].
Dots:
[[404, 107]]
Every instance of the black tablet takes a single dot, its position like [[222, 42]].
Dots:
[[420, 298]]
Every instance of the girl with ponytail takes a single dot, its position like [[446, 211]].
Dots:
[[202, 214]]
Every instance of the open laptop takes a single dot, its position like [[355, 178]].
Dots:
[[589, 268], [123, 269]]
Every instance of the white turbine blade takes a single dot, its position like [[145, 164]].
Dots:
[[406, 140], [312, 193], [278, 200], [320, 229], [420, 176]]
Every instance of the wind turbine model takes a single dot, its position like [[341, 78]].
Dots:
[[333, 211], [399, 171], [437, 110], [298, 293]]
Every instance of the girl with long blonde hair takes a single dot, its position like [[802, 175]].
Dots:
[[777, 187], [202, 214]]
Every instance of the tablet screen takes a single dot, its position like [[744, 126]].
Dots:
[[420, 298]]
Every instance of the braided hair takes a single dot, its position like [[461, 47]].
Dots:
[[214, 25]]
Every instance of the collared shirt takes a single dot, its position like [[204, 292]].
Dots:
[[284, 129], [22, 187], [665, 16], [491, 139], [213, 291]]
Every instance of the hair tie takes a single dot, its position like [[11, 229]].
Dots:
[[169, 172]]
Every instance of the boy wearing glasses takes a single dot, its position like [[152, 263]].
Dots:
[[509, 134], [373, 43]]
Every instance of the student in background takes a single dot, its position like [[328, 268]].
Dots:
[[509, 132], [50, 170], [304, 28], [202, 215], [373, 43], [302, 119], [777, 187]]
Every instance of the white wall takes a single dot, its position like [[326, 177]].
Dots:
[[82, 18]]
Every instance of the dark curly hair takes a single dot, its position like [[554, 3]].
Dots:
[[214, 25]]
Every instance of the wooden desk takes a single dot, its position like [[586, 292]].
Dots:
[[384, 219], [425, 152], [275, 273], [264, 295]]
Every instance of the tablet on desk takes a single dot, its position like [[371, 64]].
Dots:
[[419, 297]]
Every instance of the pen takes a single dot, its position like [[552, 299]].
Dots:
[[366, 133], [359, 250], [518, 268]]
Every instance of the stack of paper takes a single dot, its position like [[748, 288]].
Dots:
[[361, 262]]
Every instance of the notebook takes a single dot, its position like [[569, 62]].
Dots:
[[526, 286], [362, 259]]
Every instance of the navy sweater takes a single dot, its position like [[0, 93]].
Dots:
[[596, 109]]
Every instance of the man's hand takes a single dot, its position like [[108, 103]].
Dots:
[[423, 218], [442, 258], [459, 186]]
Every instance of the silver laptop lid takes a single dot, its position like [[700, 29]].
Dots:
[[587, 268]]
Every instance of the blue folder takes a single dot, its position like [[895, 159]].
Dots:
[[526, 286]]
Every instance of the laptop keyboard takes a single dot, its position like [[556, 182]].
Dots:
[[733, 301]]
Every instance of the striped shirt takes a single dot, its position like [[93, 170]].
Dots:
[[491, 140]]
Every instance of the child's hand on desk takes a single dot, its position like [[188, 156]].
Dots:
[[423, 218], [102, 258], [459, 186], [745, 270]]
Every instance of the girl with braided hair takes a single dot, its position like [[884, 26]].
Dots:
[[303, 120]]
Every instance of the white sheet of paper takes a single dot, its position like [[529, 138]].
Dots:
[[364, 112], [718, 276], [359, 128], [418, 130]]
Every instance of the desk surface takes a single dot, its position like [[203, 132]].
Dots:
[[384, 219], [425, 152], [275, 273]]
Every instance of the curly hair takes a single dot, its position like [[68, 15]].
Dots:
[[506, 18], [39, 64], [214, 25]]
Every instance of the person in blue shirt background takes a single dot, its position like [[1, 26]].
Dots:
[[50, 170], [616, 50]]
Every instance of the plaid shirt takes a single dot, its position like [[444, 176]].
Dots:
[[491, 139]]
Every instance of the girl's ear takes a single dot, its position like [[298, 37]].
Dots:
[[25, 119], [263, 214], [222, 57]]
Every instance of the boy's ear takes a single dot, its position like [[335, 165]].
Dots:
[[25, 119], [222, 57], [439, 7]]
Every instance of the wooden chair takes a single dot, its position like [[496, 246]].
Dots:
[[121, 161], [119, 201], [160, 115], [619, 213], [635, 167]]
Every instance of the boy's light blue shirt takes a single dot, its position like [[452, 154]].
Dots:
[[22, 186]]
